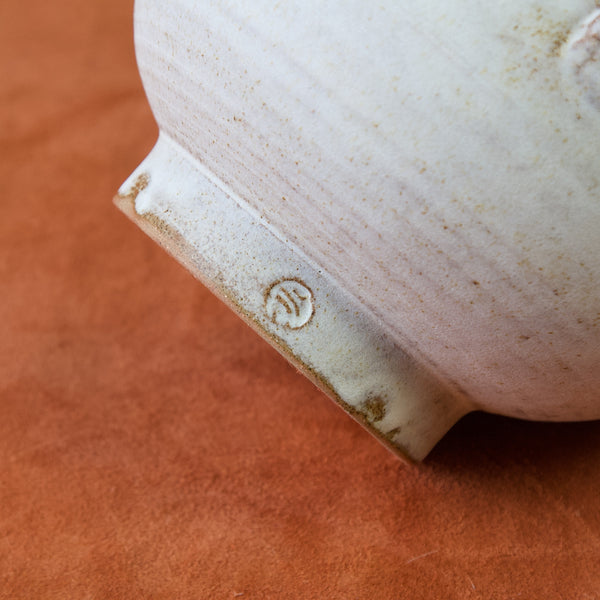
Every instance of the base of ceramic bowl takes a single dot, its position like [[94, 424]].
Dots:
[[289, 300]]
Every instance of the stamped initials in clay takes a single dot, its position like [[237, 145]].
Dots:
[[289, 303]]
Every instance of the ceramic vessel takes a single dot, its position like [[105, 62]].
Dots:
[[403, 197]]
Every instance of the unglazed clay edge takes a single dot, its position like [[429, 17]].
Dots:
[[293, 304]]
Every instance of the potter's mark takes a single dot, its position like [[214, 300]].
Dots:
[[289, 303]]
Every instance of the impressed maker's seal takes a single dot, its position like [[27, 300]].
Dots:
[[289, 303]]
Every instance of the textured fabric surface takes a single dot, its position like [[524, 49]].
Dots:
[[152, 446]]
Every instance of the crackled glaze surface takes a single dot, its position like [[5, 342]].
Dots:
[[438, 163]]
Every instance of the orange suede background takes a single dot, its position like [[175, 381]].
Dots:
[[152, 446]]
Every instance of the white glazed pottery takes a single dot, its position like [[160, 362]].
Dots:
[[403, 197]]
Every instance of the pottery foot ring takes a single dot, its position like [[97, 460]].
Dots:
[[294, 305]]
